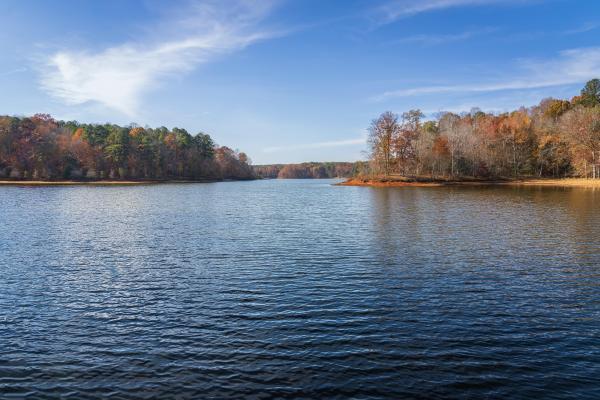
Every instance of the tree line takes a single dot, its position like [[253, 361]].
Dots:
[[40, 147], [309, 170], [555, 138]]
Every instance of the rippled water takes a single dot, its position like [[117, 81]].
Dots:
[[299, 289]]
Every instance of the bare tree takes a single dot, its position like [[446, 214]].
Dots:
[[581, 126], [382, 134], [404, 145], [455, 132]]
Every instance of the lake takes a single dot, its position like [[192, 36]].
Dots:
[[299, 289]]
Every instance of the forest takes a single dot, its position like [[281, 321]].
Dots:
[[41, 148], [556, 138], [309, 170]]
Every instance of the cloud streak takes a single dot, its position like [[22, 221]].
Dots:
[[587, 27], [430, 39], [394, 10], [118, 77], [319, 145], [573, 66], [14, 71]]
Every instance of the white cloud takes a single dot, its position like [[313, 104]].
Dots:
[[573, 66], [587, 27], [117, 77], [397, 9], [319, 145], [430, 39]]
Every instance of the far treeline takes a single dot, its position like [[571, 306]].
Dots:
[[557, 138], [40, 147], [309, 170]]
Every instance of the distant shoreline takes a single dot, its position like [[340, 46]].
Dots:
[[428, 182]]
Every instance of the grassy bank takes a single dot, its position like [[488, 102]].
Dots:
[[400, 181]]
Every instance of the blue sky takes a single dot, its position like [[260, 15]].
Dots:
[[289, 80]]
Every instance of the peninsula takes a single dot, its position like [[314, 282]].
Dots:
[[542, 145]]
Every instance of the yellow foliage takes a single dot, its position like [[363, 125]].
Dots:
[[135, 132], [78, 133]]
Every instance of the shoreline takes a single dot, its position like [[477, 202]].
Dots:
[[365, 182], [104, 182], [410, 182]]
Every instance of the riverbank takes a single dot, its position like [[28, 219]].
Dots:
[[102, 183], [429, 182]]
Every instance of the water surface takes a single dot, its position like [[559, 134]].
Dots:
[[299, 289]]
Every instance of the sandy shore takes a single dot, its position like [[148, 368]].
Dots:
[[407, 182], [574, 182]]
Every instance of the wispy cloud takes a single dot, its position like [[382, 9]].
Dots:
[[459, 109], [570, 67], [117, 77], [541, 34], [587, 27], [319, 145], [13, 71], [431, 39], [397, 9]]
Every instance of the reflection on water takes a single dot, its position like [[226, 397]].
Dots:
[[299, 289]]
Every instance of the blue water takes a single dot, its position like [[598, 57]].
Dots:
[[299, 289]]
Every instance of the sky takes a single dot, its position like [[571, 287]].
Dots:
[[289, 80]]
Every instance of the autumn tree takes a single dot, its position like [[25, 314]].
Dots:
[[382, 134], [404, 140], [554, 109], [554, 138], [590, 94], [424, 148], [454, 131], [40, 147], [581, 127]]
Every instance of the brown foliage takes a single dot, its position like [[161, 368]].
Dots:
[[554, 138], [42, 148]]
